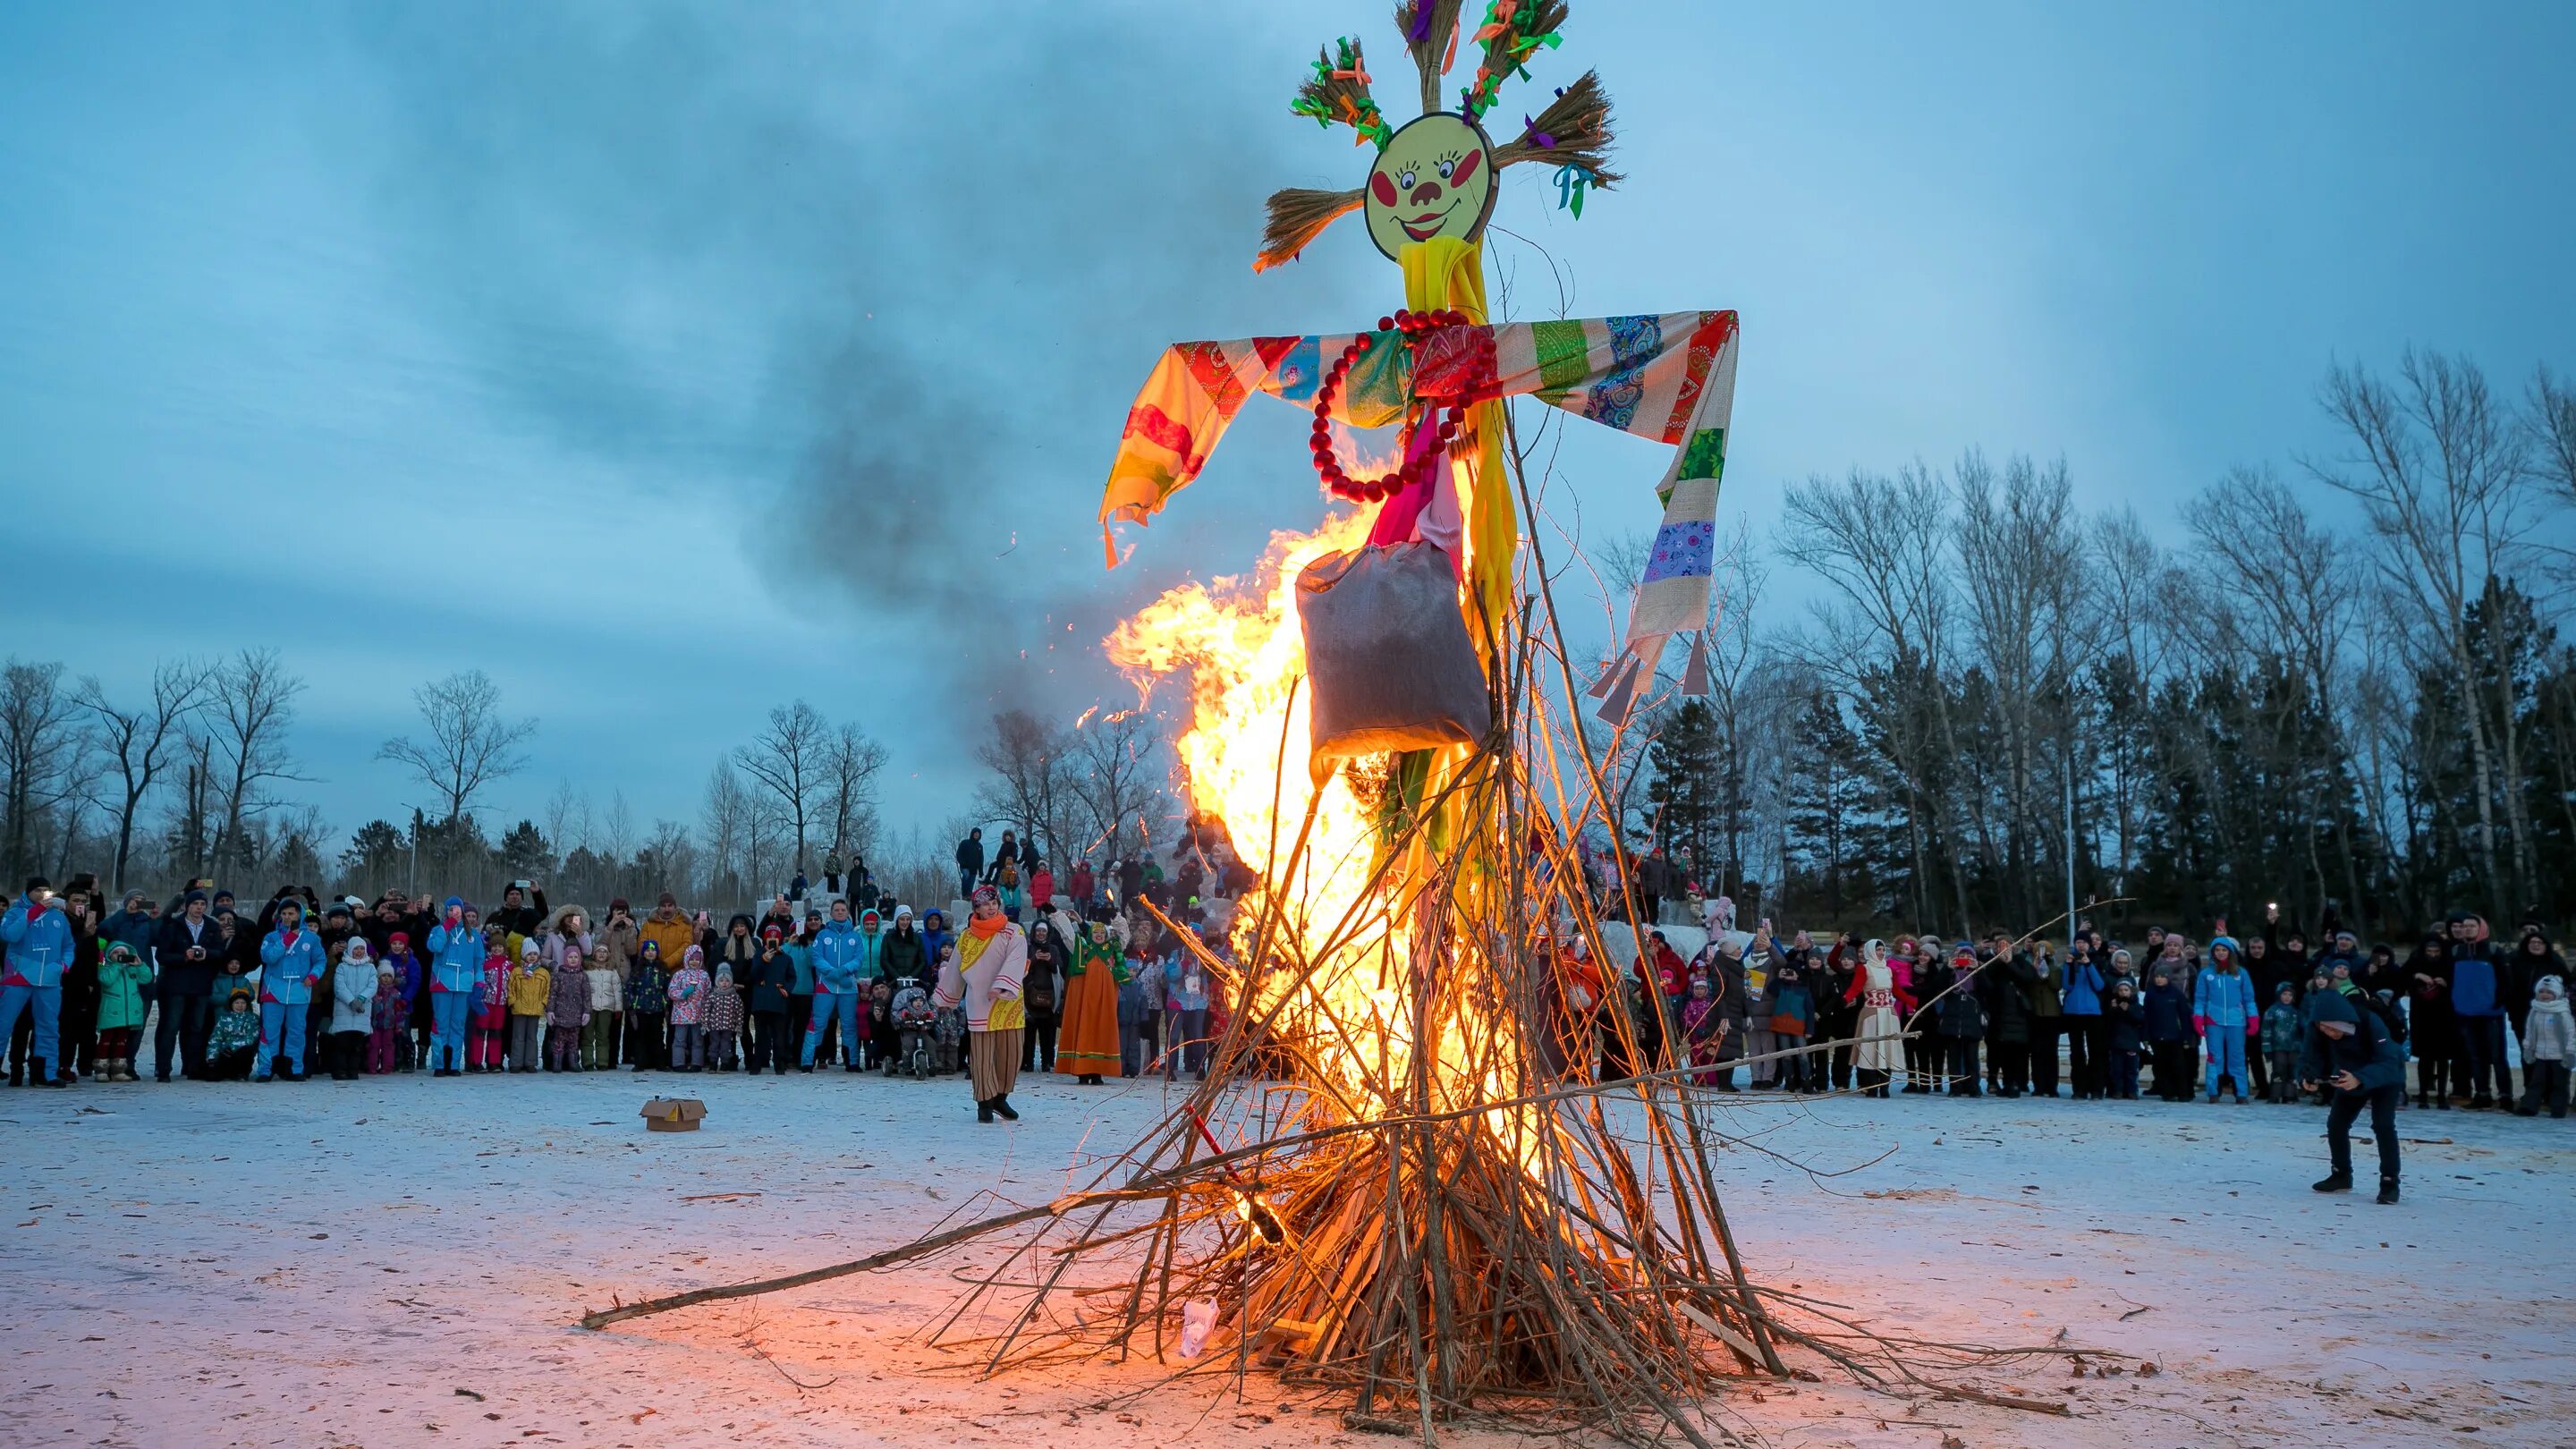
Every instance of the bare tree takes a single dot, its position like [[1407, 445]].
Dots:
[[2549, 416], [136, 743], [1880, 543], [2439, 471], [252, 708], [792, 761], [470, 743], [1117, 788], [727, 823], [40, 749], [1034, 777], [851, 764], [568, 818]]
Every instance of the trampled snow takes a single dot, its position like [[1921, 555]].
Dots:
[[401, 1261]]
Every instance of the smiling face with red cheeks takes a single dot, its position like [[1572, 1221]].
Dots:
[[1435, 178]]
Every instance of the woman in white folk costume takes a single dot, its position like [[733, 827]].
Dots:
[[984, 975], [1881, 1032]]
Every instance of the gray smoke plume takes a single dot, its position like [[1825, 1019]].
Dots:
[[893, 286]]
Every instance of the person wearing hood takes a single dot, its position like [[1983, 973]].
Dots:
[[2548, 1047], [291, 965], [2225, 1013], [234, 1042], [353, 1008], [455, 971], [2350, 1055], [688, 993], [2285, 1027], [720, 1026], [1040, 990], [409, 980], [768, 982], [903, 954], [2124, 1018], [2532, 958], [984, 975], [1875, 990], [388, 1016], [2478, 1005], [38, 945], [567, 1002], [934, 935], [840, 956], [124, 995]]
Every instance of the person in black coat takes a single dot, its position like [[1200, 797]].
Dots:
[[2124, 1022], [523, 913], [2007, 980], [767, 979], [187, 949]]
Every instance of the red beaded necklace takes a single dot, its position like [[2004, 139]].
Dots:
[[1412, 329]]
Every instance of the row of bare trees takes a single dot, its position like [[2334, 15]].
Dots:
[[2344, 692]]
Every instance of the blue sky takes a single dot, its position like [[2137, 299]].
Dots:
[[670, 362]]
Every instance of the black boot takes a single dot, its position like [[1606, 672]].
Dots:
[[983, 1111], [1002, 1104], [2388, 1192], [2339, 1180]]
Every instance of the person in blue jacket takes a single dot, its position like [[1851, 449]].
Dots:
[[455, 968], [840, 957], [2478, 1008], [38, 939], [2224, 1008], [290, 965], [2088, 1040]]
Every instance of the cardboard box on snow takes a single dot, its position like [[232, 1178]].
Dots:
[[674, 1114]]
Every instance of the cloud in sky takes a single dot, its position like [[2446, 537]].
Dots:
[[670, 361]]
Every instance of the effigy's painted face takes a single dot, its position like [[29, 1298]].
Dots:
[[1436, 178]]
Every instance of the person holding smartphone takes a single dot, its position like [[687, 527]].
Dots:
[[39, 943]]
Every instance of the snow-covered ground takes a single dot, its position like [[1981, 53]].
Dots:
[[400, 1261]]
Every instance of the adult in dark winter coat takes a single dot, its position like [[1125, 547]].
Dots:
[[905, 954], [2433, 1033], [2007, 981], [2351, 1055], [523, 912], [186, 948], [970, 860]]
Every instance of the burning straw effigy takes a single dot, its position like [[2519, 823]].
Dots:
[[1400, 1181]]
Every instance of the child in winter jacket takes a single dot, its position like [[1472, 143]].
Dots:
[[688, 991], [353, 1009], [388, 1021], [880, 1038], [2285, 1035], [407, 984], [2548, 1049], [648, 1009], [1700, 1022], [916, 1024], [124, 995], [948, 1030], [530, 987], [607, 1004], [720, 1026], [490, 1008], [1793, 1016], [1962, 1018], [567, 1009], [235, 1040], [2124, 1020]]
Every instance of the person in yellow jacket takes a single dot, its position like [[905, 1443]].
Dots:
[[530, 983]]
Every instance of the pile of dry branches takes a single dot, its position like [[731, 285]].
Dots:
[[1400, 1180]]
